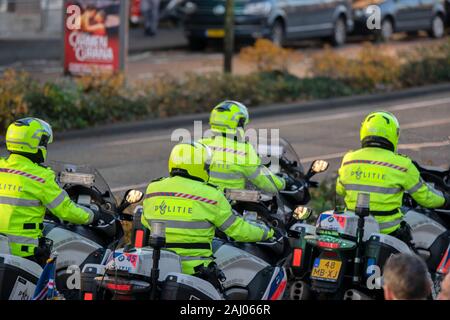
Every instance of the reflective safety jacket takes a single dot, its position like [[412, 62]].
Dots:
[[26, 190], [234, 162], [385, 175], [192, 210]]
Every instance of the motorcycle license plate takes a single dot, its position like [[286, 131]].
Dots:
[[325, 269], [215, 33]]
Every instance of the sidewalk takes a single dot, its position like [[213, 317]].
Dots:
[[42, 48]]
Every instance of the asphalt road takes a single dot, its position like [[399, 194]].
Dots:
[[132, 160]]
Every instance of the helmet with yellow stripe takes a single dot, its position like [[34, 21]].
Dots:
[[380, 129], [191, 159], [29, 136], [228, 117]]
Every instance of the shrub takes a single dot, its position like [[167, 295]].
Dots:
[[426, 65], [266, 56], [97, 99], [324, 198], [371, 69], [13, 87]]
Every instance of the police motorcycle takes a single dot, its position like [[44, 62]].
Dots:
[[74, 245], [246, 271], [342, 257], [283, 212]]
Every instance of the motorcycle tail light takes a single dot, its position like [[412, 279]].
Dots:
[[139, 239], [297, 258], [328, 245], [119, 287], [88, 296]]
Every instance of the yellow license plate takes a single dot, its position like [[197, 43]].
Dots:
[[215, 33], [325, 269]]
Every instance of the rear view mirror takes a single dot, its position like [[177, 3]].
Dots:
[[133, 196], [302, 213], [319, 166], [130, 197]]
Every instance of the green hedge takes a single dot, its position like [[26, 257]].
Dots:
[[89, 101]]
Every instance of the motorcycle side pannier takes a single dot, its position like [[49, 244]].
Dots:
[[18, 278], [185, 287]]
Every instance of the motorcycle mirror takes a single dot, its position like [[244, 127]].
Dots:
[[133, 196], [319, 166], [130, 197], [302, 213]]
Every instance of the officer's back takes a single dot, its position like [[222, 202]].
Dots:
[[377, 169], [192, 209]]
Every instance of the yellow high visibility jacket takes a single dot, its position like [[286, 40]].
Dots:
[[235, 162], [26, 191], [385, 175], [192, 210]]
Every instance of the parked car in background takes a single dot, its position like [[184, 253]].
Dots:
[[278, 20], [401, 16]]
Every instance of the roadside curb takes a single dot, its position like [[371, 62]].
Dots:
[[256, 112]]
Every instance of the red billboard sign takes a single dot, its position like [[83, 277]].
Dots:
[[94, 36]]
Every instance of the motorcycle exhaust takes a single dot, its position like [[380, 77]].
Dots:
[[355, 295], [299, 290]]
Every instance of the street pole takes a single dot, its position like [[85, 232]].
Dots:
[[124, 34], [229, 37]]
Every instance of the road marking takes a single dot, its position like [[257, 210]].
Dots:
[[330, 156], [136, 141], [324, 157], [134, 186], [423, 124], [407, 146], [346, 115]]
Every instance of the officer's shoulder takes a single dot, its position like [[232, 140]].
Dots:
[[158, 179], [214, 186], [404, 160], [349, 153], [403, 157], [45, 170]]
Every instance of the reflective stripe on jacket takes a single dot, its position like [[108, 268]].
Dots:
[[192, 210], [385, 175], [235, 162], [26, 191]]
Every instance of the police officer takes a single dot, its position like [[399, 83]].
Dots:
[[27, 189], [234, 160], [379, 170], [192, 209]]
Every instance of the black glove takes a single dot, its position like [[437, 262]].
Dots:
[[290, 182]]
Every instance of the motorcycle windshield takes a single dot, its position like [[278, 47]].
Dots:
[[271, 151], [73, 174], [290, 154]]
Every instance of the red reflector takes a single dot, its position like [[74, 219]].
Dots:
[[330, 245], [119, 287], [139, 239], [88, 296], [297, 259]]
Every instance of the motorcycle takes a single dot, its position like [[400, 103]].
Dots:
[[249, 271], [74, 245], [344, 255]]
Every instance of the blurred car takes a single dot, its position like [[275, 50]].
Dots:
[[401, 16], [278, 20]]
